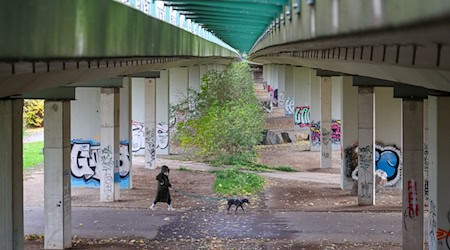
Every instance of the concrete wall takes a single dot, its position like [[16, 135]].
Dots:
[[194, 78], [85, 137], [388, 117], [178, 78]]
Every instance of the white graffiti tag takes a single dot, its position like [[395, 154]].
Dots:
[[163, 135], [138, 136]]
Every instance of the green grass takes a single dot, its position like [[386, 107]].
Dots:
[[32, 154], [234, 182], [284, 169], [184, 169]]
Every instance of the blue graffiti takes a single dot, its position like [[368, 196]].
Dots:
[[388, 161]]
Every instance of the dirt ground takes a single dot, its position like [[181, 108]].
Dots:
[[279, 195]]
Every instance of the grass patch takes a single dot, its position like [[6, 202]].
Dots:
[[184, 169], [284, 169], [32, 154], [234, 182]]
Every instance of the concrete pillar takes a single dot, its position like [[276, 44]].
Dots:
[[126, 137], [325, 120], [150, 123], [57, 188], [289, 91], [336, 112], [109, 145], [412, 174], [281, 69], [11, 178], [202, 70], [314, 111], [302, 99], [349, 131], [138, 116], [194, 78], [162, 114], [366, 143], [439, 172]]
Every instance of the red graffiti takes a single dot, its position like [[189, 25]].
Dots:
[[442, 234], [413, 207]]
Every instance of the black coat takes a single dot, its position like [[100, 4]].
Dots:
[[163, 193]]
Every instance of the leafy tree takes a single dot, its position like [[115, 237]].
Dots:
[[224, 120], [33, 113]]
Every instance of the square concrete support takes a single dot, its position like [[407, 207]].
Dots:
[[126, 135], [57, 186], [366, 149], [412, 174], [109, 145], [162, 116], [150, 123], [11, 178], [439, 173], [325, 120], [290, 91], [281, 85], [349, 130]]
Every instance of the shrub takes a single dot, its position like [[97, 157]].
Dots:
[[233, 182], [33, 113], [224, 118]]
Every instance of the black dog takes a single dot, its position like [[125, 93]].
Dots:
[[238, 203]]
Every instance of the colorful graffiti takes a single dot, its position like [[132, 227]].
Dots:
[[289, 106], [413, 205], [162, 130], [84, 159], [444, 235], [335, 132], [387, 159], [302, 116], [138, 133]]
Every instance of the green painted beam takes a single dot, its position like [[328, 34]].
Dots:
[[193, 14], [275, 2], [227, 5], [229, 21], [66, 29]]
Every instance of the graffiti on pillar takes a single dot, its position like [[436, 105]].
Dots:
[[444, 235], [107, 163], [84, 159], [281, 99], [162, 135], [138, 133], [150, 148], [387, 160], [365, 155], [426, 165], [302, 116], [326, 136], [289, 106], [336, 131], [413, 206], [432, 225]]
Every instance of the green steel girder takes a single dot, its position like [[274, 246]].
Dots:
[[225, 5], [237, 22], [66, 29]]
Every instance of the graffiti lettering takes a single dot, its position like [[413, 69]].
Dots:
[[302, 116], [413, 206], [315, 133], [163, 135], [442, 234], [387, 159], [138, 129], [426, 164], [432, 225], [289, 106], [335, 132], [85, 157], [150, 147]]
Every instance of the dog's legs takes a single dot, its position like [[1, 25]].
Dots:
[[229, 206], [242, 207], [236, 209]]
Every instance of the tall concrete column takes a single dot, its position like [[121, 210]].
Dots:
[[109, 145], [194, 78], [126, 135], [150, 123], [314, 117], [11, 177], [57, 186], [439, 172], [325, 120], [412, 174], [290, 91], [162, 116], [281, 85], [349, 130], [366, 146]]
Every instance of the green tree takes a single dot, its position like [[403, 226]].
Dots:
[[225, 120], [33, 113]]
